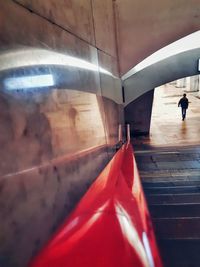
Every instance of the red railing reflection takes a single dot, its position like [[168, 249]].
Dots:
[[109, 227]]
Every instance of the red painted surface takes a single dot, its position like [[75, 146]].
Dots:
[[109, 227]]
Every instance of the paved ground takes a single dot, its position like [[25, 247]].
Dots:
[[167, 127]]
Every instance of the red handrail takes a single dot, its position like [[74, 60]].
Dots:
[[110, 227]]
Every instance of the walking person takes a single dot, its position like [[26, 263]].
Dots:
[[183, 102]]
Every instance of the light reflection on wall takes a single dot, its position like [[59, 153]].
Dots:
[[48, 112], [41, 127], [34, 56], [27, 82], [75, 120]]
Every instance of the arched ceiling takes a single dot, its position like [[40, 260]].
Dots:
[[144, 27], [177, 60], [173, 68]]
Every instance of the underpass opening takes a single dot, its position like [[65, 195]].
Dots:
[[175, 61], [166, 127]]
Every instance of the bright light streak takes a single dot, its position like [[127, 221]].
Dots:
[[148, 249], [69, 227], [82, 228], [130, 233], [28, 82], [32, 57], [191, 41]]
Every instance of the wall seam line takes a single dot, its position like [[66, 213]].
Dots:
[[59, 26]]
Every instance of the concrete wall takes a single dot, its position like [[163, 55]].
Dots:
[[189, 83], [194, 83], [54, 139], [138, 114], [172, 68], [146, 26]]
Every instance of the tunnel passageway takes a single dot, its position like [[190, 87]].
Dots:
[[67, 88], [167, 127]]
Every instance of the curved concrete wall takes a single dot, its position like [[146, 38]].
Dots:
[[138, 114], [172, 68], [138, 87], [146, 26], [55, 136], [55, 141]]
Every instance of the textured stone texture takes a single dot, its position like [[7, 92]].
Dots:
[[172, 192], [41, 180], [111, 86], [73, 15], [35, 201], [33, 133], [138, 114], [112, 81], [54, 141], [146, 26], [20, 28], [104, 26], [90, 20]]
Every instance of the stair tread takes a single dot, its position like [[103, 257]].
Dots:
[[171, 183], [181, 227], [180, 252], [172, 190], [175, 210]]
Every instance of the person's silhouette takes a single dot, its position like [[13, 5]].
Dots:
[[183, 102]]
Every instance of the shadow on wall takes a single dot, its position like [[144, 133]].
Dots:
[[138, 114], [54, 142], [25, 136]]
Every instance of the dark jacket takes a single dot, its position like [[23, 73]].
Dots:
[[183, 102]]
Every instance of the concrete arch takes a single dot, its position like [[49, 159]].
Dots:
[[178, 60], [144, 27], [181, 60]]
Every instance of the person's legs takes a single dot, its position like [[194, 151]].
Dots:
[[183, 113]]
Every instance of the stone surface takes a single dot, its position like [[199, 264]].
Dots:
[[144, 27], [74, 16], [186, 251], [172, 191], [167, 127], [104, 25], [169, 198], [54, 138], [138, 114], [38, 33], [144, 78], [177, 210], [109, 79], [34, 202], [111, 86]]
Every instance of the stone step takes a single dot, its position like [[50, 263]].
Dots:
[[171, 198], [180, 252], [161, 176], [177, 227], [175, 210], [170, 183], [172, 190]]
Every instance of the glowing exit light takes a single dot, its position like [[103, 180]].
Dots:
[[27, 82]]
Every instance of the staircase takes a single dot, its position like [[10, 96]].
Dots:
[[171, 181]]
